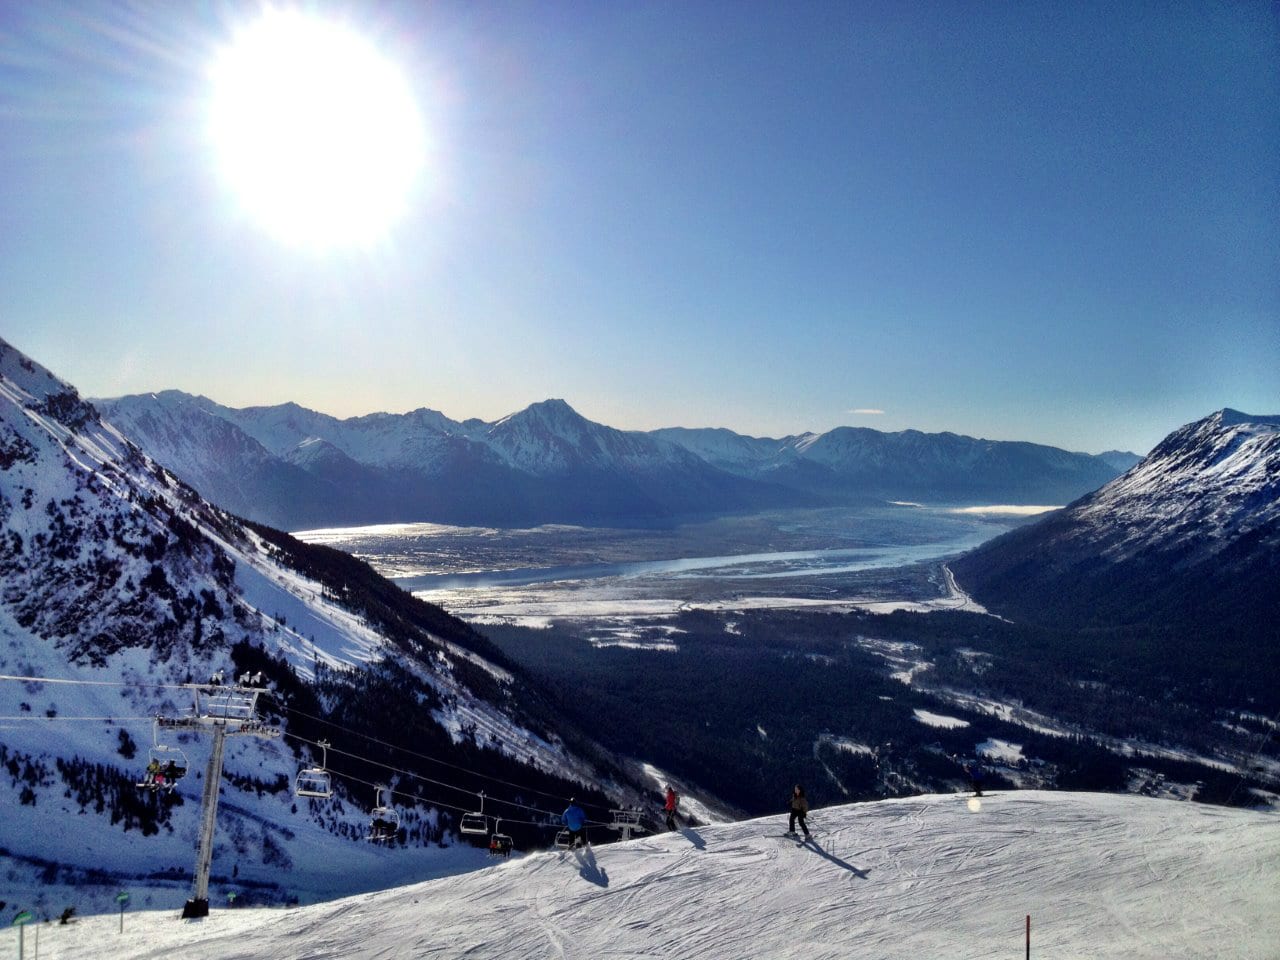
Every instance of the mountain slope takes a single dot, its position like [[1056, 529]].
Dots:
[[121, 584], [1100, 876], [1187, 542]]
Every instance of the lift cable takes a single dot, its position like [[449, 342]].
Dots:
[[29, 717], [423, 756], [97, 683], [392, 792], [417, 776], [372, 739]]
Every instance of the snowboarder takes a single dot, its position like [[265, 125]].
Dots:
[[799, 810], [575, 821], [669, 808]]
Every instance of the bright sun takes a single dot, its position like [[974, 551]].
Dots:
[[317, 133]]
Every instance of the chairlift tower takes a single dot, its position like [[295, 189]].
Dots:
[[224, 711]]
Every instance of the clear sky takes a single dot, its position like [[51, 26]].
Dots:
[[1051, 221]]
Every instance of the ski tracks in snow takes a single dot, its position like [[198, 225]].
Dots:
[[1101, 876]]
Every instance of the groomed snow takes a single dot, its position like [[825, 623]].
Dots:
[[939, 720], [1101, 876]]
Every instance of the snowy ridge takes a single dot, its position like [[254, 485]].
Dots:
[[117, 575], [548, 463], [1188, 540], [1101, 877], [1208, 483]]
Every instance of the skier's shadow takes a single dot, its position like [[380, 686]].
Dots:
[[590, 870], [812, 844], [693, 837]]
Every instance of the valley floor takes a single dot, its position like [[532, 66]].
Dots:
[[935, 876]]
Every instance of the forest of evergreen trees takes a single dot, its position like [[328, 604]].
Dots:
[[743, 714]]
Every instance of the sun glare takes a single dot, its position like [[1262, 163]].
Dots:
[[317, 133]]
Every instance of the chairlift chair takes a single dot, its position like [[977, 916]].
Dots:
[[626, 821], [562, 839], [315, 781], [384, 821], [476, 822], [625, 818], [500, 844], [166, 764]]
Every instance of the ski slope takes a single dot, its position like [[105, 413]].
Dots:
[[927, 877]]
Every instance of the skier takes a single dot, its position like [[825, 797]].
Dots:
[[575, 821], [974, 770], [153, 770], [669, 808], [799, 810]]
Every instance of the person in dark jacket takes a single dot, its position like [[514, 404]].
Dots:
[[669, 808], [974, 770], [575, 821], [799, 810]]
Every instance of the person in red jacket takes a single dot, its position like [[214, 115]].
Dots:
[[669, 808]]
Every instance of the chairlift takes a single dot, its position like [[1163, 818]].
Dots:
[[563, 839], [315, 781], [384, 821], [166, 764], [476, 822], [500, 844], [625, 818], [625, 821]]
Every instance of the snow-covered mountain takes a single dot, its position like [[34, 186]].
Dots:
[[544, 464], [295, 468], [909, 465], [1188, 538], [120, 584], [1099, 876]]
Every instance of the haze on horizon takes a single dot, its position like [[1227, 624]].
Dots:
[[1033, 222]]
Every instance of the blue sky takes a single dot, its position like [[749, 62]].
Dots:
[[1041, 221]]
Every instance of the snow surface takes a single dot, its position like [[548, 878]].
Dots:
[[1001, 750], [940, 721], [1101, 876]]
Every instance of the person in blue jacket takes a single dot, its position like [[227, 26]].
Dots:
[[575, 821]]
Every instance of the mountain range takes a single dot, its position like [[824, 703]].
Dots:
[[296, 468]]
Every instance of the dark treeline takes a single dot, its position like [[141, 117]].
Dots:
[[746, 714]]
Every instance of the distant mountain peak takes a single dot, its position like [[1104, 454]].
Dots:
[[1228, 417], [550, 411]]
